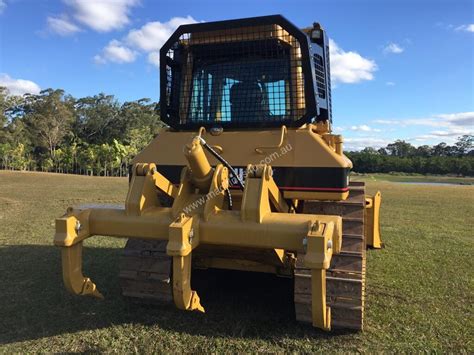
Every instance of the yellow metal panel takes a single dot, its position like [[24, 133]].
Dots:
[[372, 221], [319, 246], [163, 184], [182, 238], [308, 148], [71, 229], [141, 195]]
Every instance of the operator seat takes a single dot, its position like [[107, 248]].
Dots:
[[246, 99]]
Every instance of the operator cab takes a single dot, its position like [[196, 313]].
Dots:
[[259, 72]]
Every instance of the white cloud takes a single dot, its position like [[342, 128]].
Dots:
[[147, 39], [466, 28], [439, 120], [431, 130], [451, 132], [99, 15], [3, 6], [364, 128], [18, 86], [62, 25], [460, 118], [349, 67], [360, 143], [115, 52], [449, 135], [393, 48], [153, 35], [446, 126], [390, 83], [154, 58], [104, 15]]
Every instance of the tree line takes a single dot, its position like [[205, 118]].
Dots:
[[96, 135], [55, 132], [401, 156]]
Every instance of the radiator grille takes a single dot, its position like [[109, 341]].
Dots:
[[329, 82], [320, 75]]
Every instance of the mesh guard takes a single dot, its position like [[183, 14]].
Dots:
[[253, 72]]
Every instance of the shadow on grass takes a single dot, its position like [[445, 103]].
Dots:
[[34, 303]]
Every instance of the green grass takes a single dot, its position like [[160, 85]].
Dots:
[[419, 290], [415, 178]]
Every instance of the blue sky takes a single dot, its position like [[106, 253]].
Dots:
[[401, 69]]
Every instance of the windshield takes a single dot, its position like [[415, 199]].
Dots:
[[247, 90]]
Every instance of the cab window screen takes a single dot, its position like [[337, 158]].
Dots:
[[240, 91]]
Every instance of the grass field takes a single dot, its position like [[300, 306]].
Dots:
[[437, 179], [419, 292]]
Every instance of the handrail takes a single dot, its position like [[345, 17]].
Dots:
[[284, 132]]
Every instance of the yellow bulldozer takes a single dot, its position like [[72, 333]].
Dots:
[[247, 176]]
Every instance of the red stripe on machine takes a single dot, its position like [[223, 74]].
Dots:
[[300, 188], [340, 189]]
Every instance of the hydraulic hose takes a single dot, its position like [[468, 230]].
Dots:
[[231, 169], [224, 162]]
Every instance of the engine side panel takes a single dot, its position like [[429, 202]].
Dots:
[[304, 165]]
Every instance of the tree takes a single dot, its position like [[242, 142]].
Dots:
[[5, 152], [87, 159], [47, 118], [67, 159], [400, 149], [442, 150], [19, 160], [4, 106], [424, 151], [370, 150], [53, 131], [142, 123], [105, 158], [141, 113], [121, 153], [464, 144], [139, 138], [7, 104], [98, 119]]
